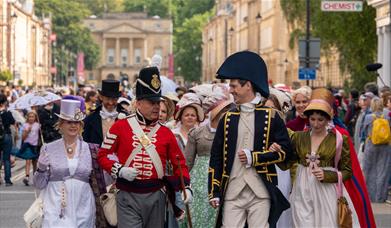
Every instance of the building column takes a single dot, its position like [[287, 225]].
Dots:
[[386, 76], [145, 49], [380, 48], [117, 52], [104, 59], [130, 52]]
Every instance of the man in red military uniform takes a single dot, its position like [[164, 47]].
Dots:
[[135, 151]]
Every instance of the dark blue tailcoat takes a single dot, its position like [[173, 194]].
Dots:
[[269, 128]]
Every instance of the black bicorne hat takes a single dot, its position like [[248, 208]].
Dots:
[[110, 88], [148, 85], [246, 65]]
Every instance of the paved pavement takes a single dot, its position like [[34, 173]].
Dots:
[[15, 200]]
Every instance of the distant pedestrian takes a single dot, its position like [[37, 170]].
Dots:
[[377, 157], [300, 98], [7, 121], [29, 147]]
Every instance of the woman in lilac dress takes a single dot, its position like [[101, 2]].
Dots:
[[64, 169]]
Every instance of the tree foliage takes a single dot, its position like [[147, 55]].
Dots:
[[151, 7], [71, 34], [353, 34], [5, 75], [188, 50], [98, 7]]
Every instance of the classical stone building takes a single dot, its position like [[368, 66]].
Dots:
[[24, 43], [259, 26], [383, 24], [127, 42]]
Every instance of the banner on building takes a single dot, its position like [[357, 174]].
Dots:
[[53, 70], [53, 37], [171, 66], [80, 67]]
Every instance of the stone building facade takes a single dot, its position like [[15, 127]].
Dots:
[[127, 42], [383, 24], [24, 44]]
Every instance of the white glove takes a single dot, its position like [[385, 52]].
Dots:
[[128, 173], [189, 196]]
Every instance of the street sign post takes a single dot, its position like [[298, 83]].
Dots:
[[314, 53], [307, 73], [342, 6]]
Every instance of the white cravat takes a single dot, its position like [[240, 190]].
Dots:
[[250, 106], [108, 115]]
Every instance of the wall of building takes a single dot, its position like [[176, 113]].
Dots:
[[24, 44], [259, 26]]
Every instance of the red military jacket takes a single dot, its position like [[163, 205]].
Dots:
[[120, 141]]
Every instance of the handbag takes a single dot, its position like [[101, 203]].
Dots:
[[109, 205], [344, 213], [34, 215]]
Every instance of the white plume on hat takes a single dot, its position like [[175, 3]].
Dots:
[[156, 61]]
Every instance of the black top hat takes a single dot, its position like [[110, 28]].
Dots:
[[110, 88], [148, 85], [246, 65]]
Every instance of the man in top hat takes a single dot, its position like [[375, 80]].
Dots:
[[242, 175], [143, 147], [97, 124]]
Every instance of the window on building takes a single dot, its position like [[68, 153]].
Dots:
[[137, 55], [158, 51], [110, 56], [124, 57], [90, 76]]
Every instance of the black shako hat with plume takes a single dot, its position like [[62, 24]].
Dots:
[[148, 85]]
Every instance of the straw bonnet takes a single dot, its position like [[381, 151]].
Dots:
[[190, 99], [70, 110], [321, 100]]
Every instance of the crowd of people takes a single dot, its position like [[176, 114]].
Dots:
[[263, 156]]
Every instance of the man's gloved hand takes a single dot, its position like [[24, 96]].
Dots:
[[189, 196], [43, 162], [128, 173]]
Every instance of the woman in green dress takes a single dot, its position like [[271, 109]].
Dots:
[[314, 196], [197, 154]]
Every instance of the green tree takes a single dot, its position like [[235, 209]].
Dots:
[[189, 19], [5, 75], [71, 34], [98, 7], [188, 49], [354, 34], [151, 7]]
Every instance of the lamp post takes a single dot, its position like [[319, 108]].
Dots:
[[230, 32], [258, 19]]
